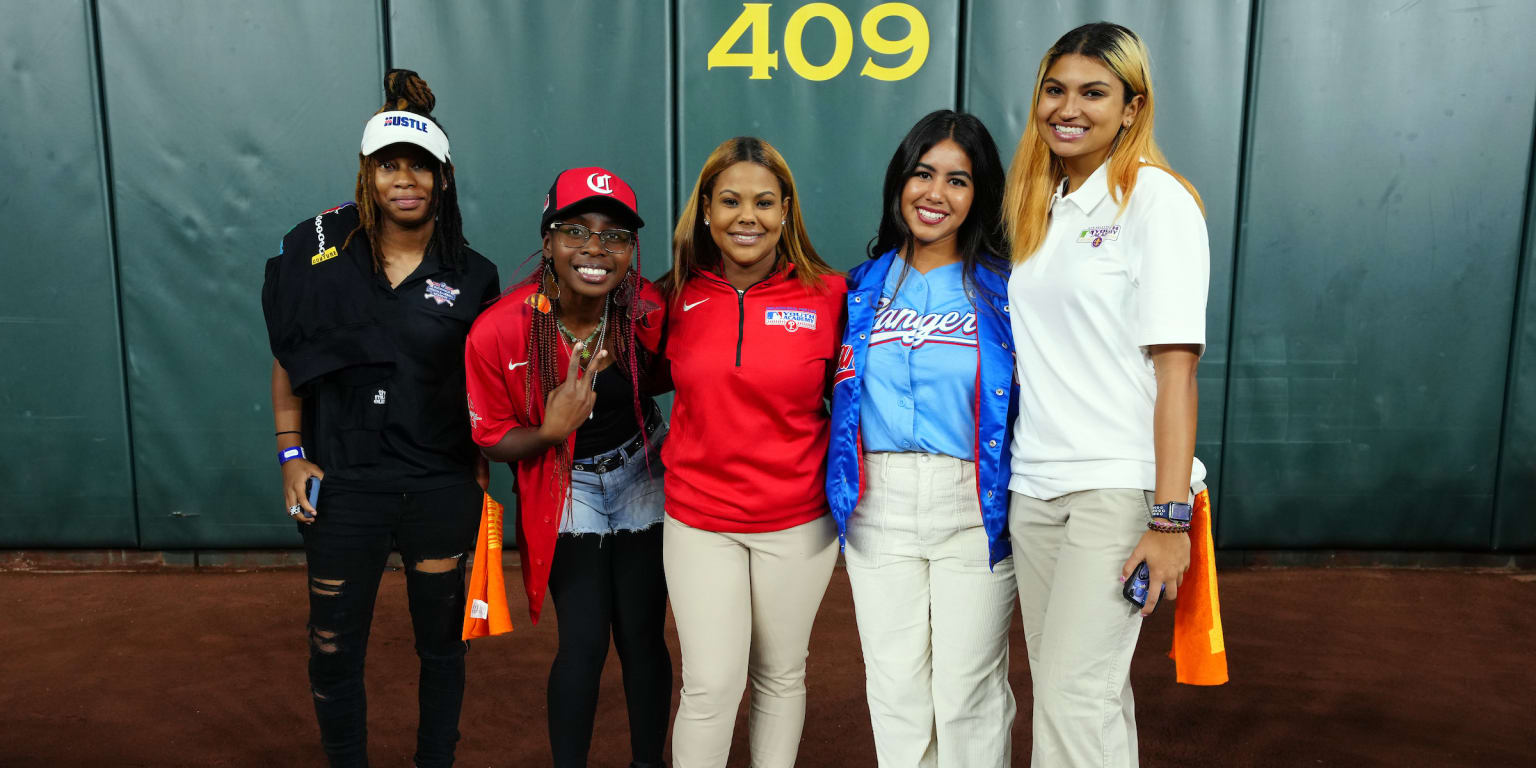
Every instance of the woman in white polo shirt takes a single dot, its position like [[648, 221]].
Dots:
[[1108, 292]]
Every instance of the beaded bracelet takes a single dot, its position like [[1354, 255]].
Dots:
[[1167, 528]]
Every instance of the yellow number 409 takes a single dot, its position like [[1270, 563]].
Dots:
[[759, 59]]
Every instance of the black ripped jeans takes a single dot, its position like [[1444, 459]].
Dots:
[[609, 586], [347, 548]]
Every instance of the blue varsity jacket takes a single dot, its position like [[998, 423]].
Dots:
[[995, 408]]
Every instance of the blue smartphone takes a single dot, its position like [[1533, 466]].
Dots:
[[1136, 586], [312, 488]]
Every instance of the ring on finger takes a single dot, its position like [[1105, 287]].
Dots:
[[295, 510]]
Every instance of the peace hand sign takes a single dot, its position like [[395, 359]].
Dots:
[[571, 402]]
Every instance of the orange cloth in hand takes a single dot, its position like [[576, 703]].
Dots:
[[1199, 649], [485, 612]]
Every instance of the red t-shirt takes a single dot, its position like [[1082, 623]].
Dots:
[[499, 371], [747, 449]]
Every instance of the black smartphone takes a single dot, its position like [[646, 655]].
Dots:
[[1135, 590]]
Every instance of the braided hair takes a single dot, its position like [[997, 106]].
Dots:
[[405, 91], [543, 374]]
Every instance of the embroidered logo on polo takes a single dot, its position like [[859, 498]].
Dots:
[[910, 329], [1097, 235], [792, 318], [844, 365], [442, 293]]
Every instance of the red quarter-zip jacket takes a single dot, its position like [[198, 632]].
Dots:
[[748, 443]]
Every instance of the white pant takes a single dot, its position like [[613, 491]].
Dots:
[[744, 605], [933, 619], [1080, 631]]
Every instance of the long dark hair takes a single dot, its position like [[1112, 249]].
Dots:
[[980, 241], [405, 91]]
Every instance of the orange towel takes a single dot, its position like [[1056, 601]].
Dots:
[[1199, 650], [485, 612]]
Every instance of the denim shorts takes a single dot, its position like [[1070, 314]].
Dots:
[[627, 498]]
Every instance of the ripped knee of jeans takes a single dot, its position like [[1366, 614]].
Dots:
[[326, 587], [323, 640], [429, 565]]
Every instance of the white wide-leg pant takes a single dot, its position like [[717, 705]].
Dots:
[[933, 618]]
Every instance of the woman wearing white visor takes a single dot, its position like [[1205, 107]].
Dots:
[[367, 309]]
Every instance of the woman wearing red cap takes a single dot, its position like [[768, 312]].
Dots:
[[367, 308], [753, 332], [558, 387]]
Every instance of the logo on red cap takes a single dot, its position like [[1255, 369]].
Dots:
[[600, 183]]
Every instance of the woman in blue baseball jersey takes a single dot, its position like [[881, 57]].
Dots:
[[917, 471]]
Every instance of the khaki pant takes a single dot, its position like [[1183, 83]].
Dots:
[[744, 605], [933, 619], [1079, 630]]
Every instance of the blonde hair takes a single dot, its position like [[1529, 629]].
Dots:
[[1036, 172], [692, 246]]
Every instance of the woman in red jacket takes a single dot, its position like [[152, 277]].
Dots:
[[752, 336], [558, 388]]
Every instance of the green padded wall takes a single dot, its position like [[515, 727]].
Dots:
[[229, 124], [838, 133], [64, 459], [1199, 54], [1380, 233], [1366, 169], [529, 88], [1514, 517]]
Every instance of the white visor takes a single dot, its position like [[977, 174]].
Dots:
[[388, 128]]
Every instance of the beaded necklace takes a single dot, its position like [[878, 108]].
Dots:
[[600, 334]]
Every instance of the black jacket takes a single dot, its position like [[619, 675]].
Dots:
[[380, 369]]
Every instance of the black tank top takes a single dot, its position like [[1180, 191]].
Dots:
[[613, 416]]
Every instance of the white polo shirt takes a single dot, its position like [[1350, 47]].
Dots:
[[1085, 306]]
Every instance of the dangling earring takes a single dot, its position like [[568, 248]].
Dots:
[[541, 301], [626, 290]]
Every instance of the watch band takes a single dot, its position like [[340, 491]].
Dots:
[[1174, 512]]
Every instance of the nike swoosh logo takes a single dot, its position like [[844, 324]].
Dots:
[[515, 366], [687, 307]]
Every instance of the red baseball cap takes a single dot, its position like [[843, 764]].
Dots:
[[594, 188]]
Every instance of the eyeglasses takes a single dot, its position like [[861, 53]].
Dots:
[[575, 236]]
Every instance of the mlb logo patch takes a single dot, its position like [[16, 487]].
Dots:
[[442, 293], [792, 318]]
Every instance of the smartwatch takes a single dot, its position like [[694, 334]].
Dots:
[[1176, 512]]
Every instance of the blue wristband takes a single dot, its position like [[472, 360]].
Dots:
[[288, 454]]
